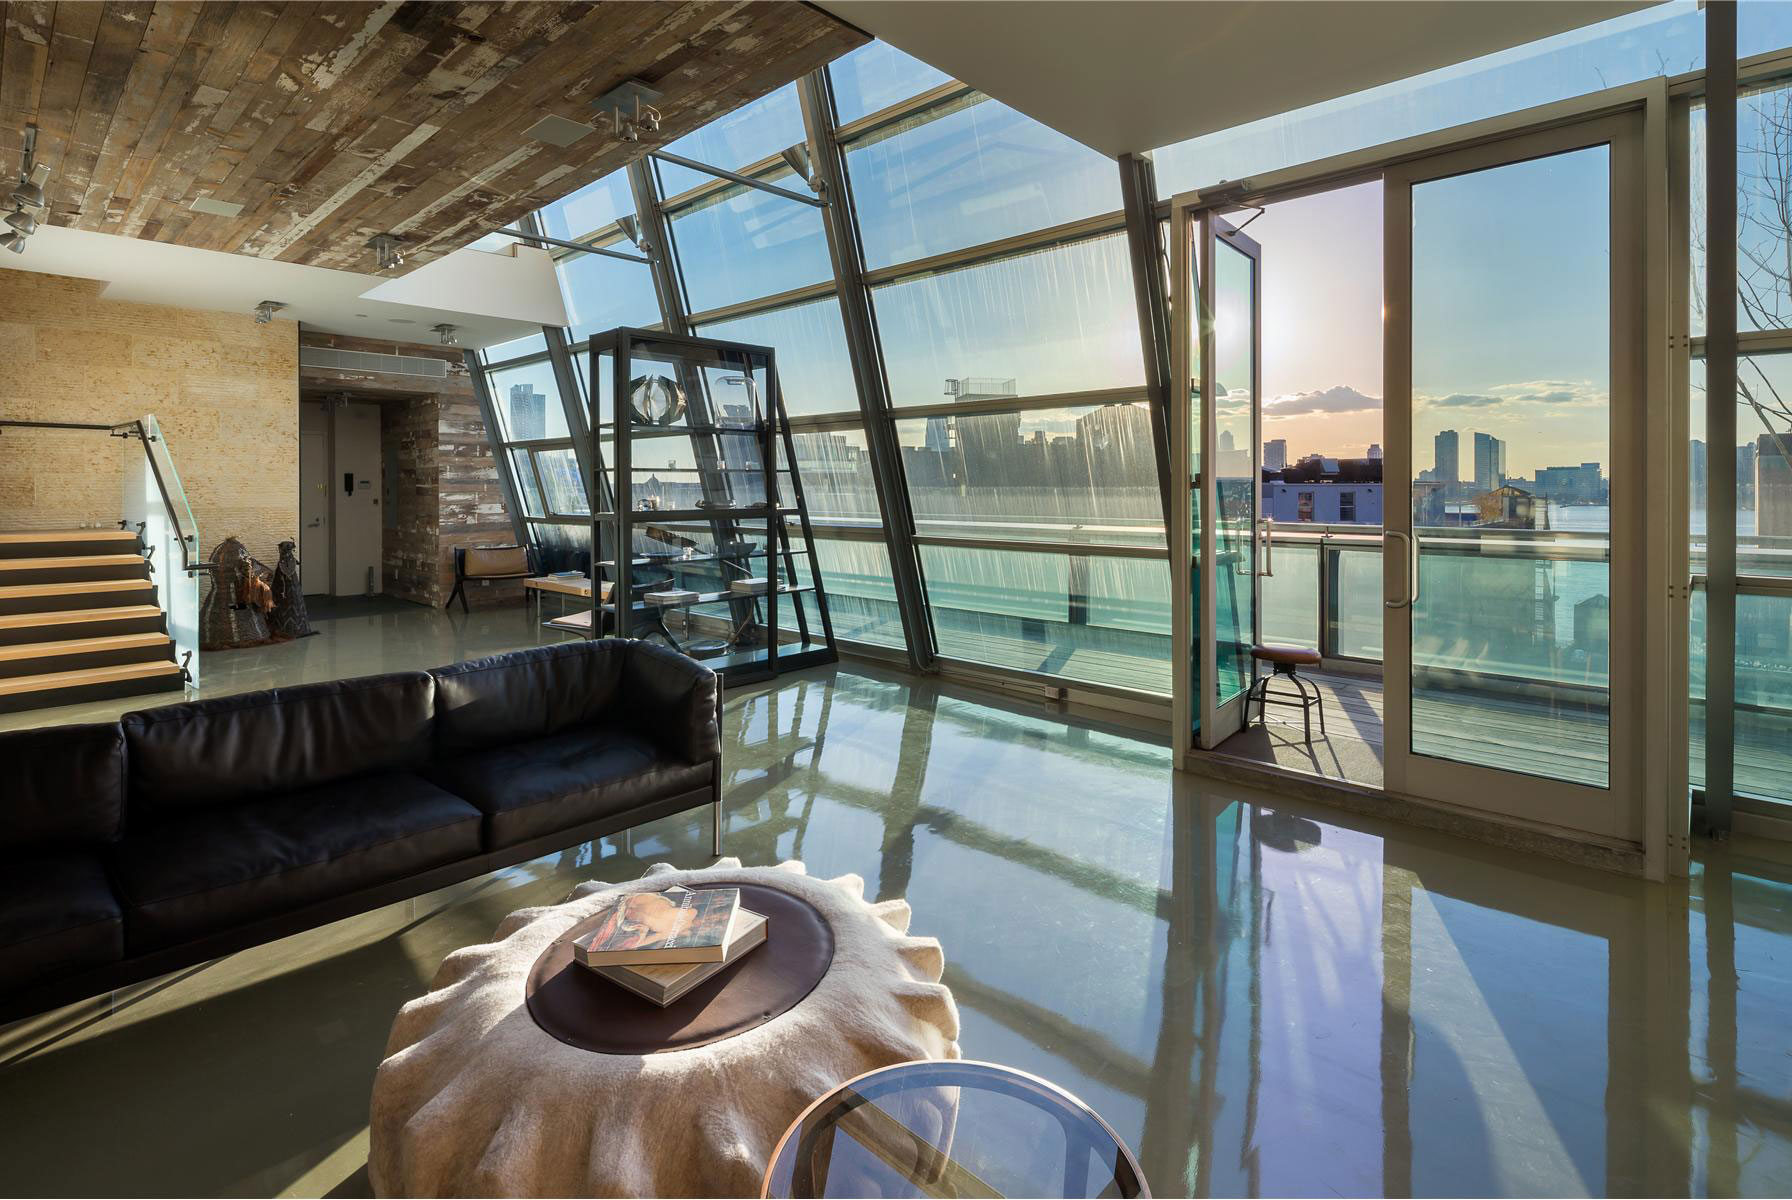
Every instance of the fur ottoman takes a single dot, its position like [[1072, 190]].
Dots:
[[474, 1098]]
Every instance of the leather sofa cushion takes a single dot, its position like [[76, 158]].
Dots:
[[671, 698], [531, 789], [239, 748], [57, 916], [526, 694], [64, 786], [207, 871]]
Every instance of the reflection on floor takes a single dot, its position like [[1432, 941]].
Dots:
[[1262, 997]]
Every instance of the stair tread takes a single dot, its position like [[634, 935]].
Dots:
[[77, 616], [90, 645], [71, 560], [18, 684], [24, 591], [27, 536]]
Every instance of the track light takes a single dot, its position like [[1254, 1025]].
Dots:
[[30, 189], [13, 241], [264, 312], [797, 159], [631, 229], [447, 333], [23, 222], [388, 248]]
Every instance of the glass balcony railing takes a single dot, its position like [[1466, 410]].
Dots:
[[155, 500]]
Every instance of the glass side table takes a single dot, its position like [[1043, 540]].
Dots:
[[938, 1129]]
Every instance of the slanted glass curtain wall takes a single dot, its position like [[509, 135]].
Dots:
[[995, 271]]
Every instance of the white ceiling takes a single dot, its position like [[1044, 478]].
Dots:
[[1133, 75], [318, 297]]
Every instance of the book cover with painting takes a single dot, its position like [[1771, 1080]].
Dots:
[[678, 925], [667, 982]]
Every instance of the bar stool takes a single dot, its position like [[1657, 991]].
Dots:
[[1286, 660]]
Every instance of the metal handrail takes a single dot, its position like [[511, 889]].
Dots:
[[190, 561]]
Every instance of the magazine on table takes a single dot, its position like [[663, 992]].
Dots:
[[677, 925]]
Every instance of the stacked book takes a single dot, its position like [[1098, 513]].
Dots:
[[660, 945]]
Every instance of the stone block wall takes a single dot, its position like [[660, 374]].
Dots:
[[224, 389]]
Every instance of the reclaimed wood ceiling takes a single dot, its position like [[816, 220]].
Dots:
[[332, 122]]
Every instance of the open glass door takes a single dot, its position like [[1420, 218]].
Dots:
[[1514, 541], [1218, 431]]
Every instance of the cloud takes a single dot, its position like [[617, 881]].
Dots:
[[1536, 391], [1339, 399], [1461, 400]]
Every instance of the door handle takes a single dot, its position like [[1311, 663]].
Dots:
[[1406, 600], [1269, 541]]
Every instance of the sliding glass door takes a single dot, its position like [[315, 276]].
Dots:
[[1513, 551], [1219, 424]]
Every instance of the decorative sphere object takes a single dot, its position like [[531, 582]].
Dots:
[[655, 400]]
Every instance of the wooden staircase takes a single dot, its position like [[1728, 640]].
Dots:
[[79, 620]]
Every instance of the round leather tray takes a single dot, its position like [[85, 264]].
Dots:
[[579, 1007]]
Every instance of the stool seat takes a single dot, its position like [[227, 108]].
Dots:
[[1286, 655]]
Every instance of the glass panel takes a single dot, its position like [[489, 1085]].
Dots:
[[602, 293], [1763, 465], [814, 370], [1356, 602], [875, 76], [1511, 337], [1764, 696], [590, 208], [1291, 597], [155, 498], [835, 470], [527, 401], [1196, 449], [861, 597], [969, 172], [1660, 40], [1235, 472], [560, 482], [1063, 475], [531, 343], [1098, 620], [748, 134], [527, 488], [1050, 321], [739, 244]]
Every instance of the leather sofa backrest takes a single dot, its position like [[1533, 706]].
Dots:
[[62, 786], [187, 756], [526, 694]]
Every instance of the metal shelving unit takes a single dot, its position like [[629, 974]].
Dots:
[[717, 543]]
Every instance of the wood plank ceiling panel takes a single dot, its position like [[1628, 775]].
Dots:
[[331, 122]]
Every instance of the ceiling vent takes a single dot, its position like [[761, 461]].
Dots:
[[557, 131], [216, 208], [378, 364]]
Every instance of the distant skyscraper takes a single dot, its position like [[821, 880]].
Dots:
[[1445, 450], [1275, 454], [1490, 462], [1375, 450], [528, 413], [1773, 485], [1227, 442]]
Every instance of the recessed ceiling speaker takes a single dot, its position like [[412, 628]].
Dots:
[[558, 131]]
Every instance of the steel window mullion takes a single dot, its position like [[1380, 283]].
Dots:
[[807, 294], [1021, 404], [651, 215], [840, 222], [857, 129], [1721, 346]]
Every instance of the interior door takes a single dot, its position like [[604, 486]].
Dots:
[[1231, 352], [314, 512], [1513, 517]]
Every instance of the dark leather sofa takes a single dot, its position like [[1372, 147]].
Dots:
[[181, 833]]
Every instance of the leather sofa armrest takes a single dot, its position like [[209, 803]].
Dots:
[[673, 699]]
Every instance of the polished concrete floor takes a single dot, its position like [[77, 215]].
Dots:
[[1262, 997]]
